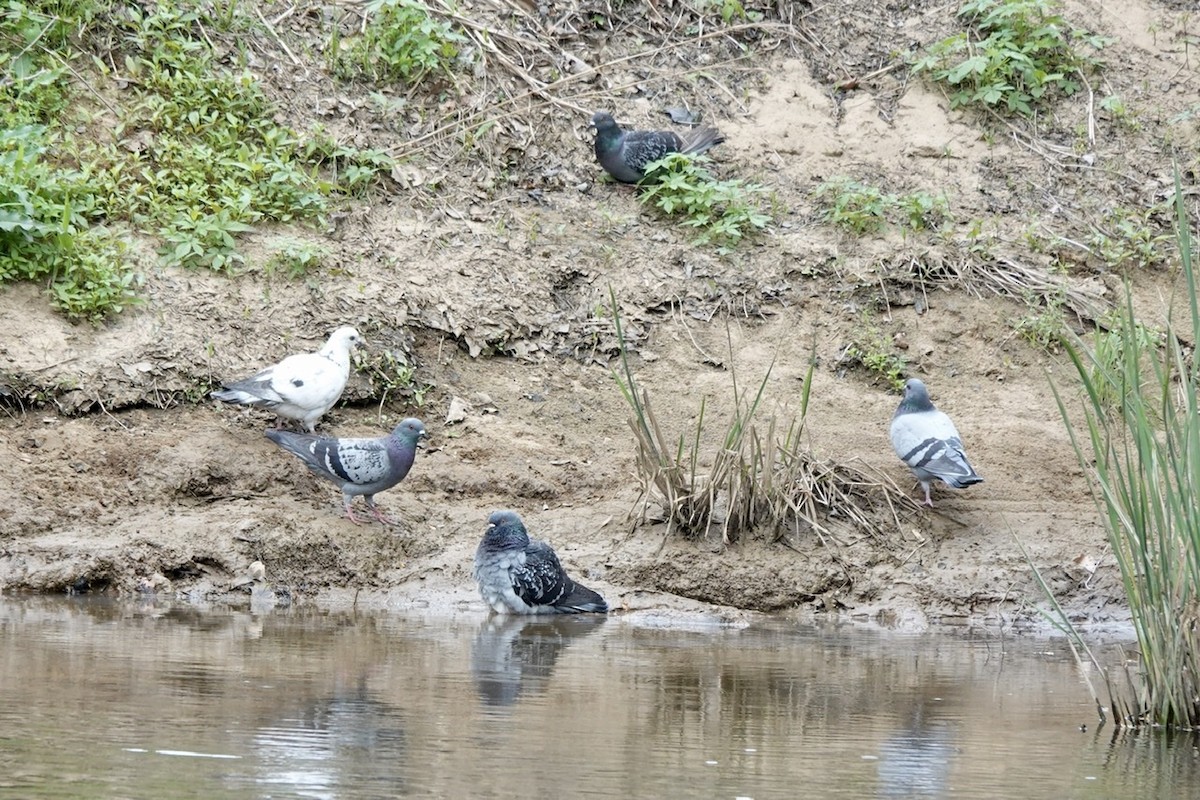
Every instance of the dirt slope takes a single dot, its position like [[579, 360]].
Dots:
[[114, 470]]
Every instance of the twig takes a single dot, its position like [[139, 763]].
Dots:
[[271, 30]]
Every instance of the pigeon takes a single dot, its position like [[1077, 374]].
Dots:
[[358, 466], [625, 154], [301, 387], [927, 441], [520, 575]]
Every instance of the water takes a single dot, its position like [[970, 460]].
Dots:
[[106, 700]]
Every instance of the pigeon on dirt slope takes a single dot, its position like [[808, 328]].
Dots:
[[522, 576], [625, 154], [357, 466], [927, 441], [301, 387]]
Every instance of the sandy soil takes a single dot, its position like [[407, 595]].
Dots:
[[116, 474]]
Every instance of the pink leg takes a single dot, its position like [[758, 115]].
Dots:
[[379, 515], [928, 499], [350, 513]]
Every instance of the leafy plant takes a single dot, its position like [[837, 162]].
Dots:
[[401, 41], [1043, 327], [855, 206], [862, 209], [196, 152], [723, 212], [391, 373], [1131, 237], [1013, 53], [44, 236]]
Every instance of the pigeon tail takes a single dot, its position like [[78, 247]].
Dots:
[[582, 601], [700, 140]]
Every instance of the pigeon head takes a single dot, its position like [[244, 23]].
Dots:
[[410, 430], [603, 121], [347, 337], [916, 397], [505, 530]]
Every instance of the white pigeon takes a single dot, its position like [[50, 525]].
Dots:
[[301, 387], [927, 441]]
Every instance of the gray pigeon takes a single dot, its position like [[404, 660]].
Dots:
[[517, 575], [927, 441], [625, 154], [357, 466], [301, 387]]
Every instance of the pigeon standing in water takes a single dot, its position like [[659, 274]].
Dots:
[[301, 387], [357, 466], [625, 154], [927, 441], [518, 575]]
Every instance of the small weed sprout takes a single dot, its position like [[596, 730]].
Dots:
[[1043, 327], [295, 259], [1131, 238], [1012, 55], [872, 351], [391, 373]]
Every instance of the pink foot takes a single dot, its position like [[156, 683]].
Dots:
[[350, 516], [384, 518]]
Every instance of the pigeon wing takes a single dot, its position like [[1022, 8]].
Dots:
[[353, 461], [541, 580], [928, 443], [642, 148], [307, 380]]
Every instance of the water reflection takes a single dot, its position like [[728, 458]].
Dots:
[[511, 654], [915, 760], [159, 700]]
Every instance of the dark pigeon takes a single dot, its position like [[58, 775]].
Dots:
[[625, 154], [358, 466], [301, 387], [519, 575], [927, 441]]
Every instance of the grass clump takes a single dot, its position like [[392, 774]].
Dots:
[[1013, 54], [759, 476], [402, 41], [1043, 326], [861, 209], [722, 212], [1144, 459]]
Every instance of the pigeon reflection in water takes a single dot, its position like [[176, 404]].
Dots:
[[512, 655], [915, 760], [348, 739]]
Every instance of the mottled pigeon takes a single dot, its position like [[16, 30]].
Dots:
[[301, 387], [927, 441], [357, 466], [518, 575], [625, 154]]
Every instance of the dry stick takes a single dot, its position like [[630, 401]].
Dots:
[[79, 78], [853, 83], [275, 35]]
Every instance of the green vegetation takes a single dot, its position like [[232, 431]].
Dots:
[[1013, 55], [1043, 327], [296, 258], [402, 41], [862, 209], [193, 153], [1144, 458], [1131, 238], [390, 373], [723, 212], [872, 350]]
